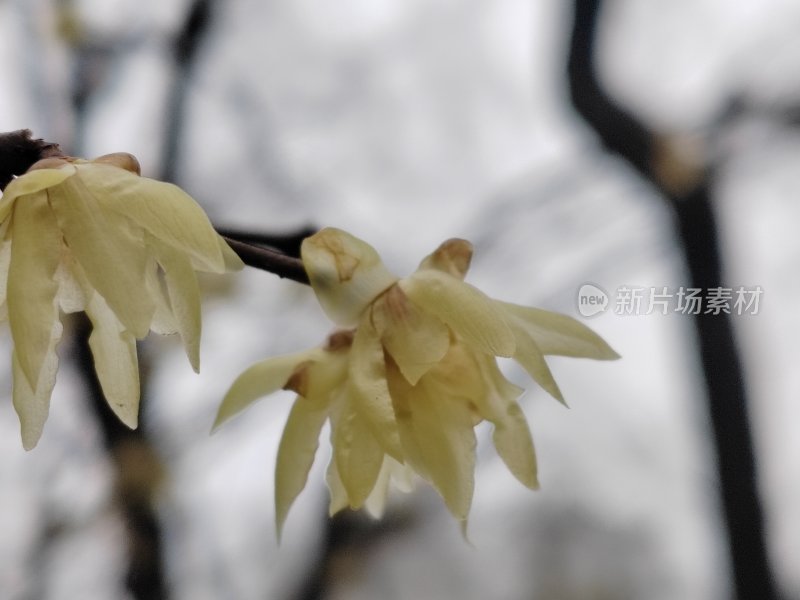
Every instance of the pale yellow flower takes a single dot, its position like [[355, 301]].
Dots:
[[415, 377], [323, 378], [97, 237]]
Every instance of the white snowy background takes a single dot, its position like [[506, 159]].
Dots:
[[407, 122]]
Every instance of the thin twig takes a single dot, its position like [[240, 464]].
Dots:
[[270, 260], [286, 242]]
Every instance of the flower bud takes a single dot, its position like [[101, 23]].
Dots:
[[453, 256], [123, 160]]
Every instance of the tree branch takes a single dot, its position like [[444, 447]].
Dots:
[[18, 151], [288, 243], [691, 200], [270, 260]]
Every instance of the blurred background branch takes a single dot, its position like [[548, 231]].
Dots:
[[691, 200]]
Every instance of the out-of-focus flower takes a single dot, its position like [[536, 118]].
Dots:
[[97, 237], [406, 388]]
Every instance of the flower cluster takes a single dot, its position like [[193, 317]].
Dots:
[[97, 237], [408, 379]]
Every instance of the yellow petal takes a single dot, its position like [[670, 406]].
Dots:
[[513, 441], [346, 273], [184, 297], [532, 360], [357, 453], [338, 494], [559, 334], [296, 452], [261, 379], [511, 435], [442, 429], [32, 403], [415, 339], [392, 472], [35, 254], [325, 376], [435, 419], [163, 320], [115, 360], [376, 501], [162, 209], [453, 257], [71, 295], [31, 183], [110, 251], [368, 388], [5, 262], [468, 311], [230, 259]]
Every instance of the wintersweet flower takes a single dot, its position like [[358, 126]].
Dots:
[[97, 237], [323, 378], [408, 385]]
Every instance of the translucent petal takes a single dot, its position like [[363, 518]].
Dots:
[[5, 262], [416, 340], [230, 259], [376, 501], [33, 405], [392, 472], [559, 334], [115, 361], [368, 388], [511, 435], [346, 273], [401, 391], [468, 311], [336, 487], [357, 453], [261, 379], [35, 255], [324, 377], [296, 452], [162, 209], [184, 296], [163, 320], [31, 183], [436, 419], [442, 428], [110, 251], [532, 360], [71, 296], [458, 374], [513, 441]]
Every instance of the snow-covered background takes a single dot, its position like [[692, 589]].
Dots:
[[407, 122]]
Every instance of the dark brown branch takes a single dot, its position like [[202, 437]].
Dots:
[[621, 133], [288, 243], [270, 260], [18, 151], [186, 46], [138, 472]]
